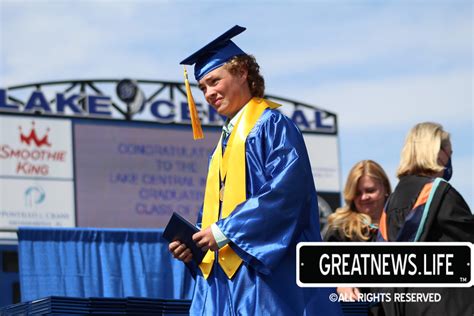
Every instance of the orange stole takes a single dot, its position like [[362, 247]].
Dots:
[[422, 198]]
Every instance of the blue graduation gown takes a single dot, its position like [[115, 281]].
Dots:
[[281, 210]]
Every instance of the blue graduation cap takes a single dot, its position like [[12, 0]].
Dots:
[[215, 54]]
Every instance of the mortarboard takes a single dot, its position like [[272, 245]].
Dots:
[[212, 56], [215, 54]]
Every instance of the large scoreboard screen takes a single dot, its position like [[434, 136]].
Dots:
[[137, 176]]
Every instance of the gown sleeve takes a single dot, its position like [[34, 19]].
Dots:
[[455, 222], [280, 196]]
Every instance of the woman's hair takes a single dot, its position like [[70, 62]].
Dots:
[[419, 155], [347, 220], [254, 78]]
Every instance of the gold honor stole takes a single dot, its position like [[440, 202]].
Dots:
[[233, 179]]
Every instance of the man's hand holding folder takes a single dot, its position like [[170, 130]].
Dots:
[[187, 242]]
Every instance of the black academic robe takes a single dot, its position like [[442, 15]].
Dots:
[[449, 219]]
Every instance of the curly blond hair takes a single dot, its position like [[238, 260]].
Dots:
[[254, 78]]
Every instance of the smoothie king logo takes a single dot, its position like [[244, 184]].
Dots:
[[33, 154], [33, 138]]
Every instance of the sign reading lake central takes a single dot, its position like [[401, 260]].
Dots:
[[120, 153]]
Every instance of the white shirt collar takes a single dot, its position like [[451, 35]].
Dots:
[[229, 124]]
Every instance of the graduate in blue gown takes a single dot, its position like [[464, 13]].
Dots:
[[260, 198]]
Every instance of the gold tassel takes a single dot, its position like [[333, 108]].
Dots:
[[195, 121]]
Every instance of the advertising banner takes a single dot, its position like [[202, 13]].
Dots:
[[36, 172], [28, 202], [35, 147]]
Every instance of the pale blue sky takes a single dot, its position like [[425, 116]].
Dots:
[[382, 66]]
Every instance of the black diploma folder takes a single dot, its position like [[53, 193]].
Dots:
[[179, 228]]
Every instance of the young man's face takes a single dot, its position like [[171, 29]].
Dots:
[[225, 92]]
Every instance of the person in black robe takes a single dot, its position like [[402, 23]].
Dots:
[[424, 170]]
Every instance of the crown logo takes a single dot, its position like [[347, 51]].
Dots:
[[33, 137]]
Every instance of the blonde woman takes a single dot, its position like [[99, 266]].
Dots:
[[425, 165], [425, 207], [366, 191]]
